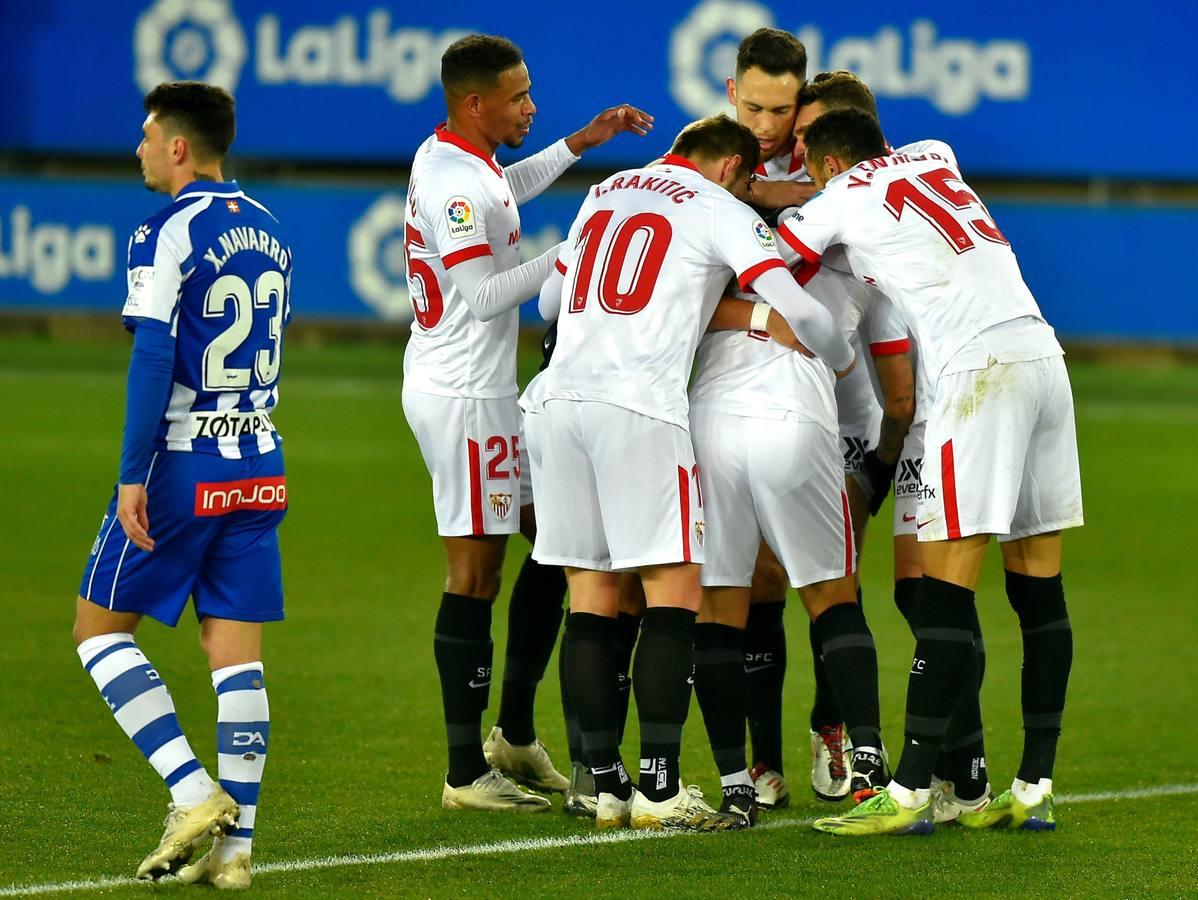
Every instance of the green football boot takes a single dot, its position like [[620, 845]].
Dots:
[[880, 814], [1006, 811]]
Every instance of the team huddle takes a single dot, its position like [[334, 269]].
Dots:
[[755, 336]]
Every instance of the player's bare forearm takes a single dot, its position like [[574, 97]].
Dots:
[[731, 314], [896, 377], [780, 194]]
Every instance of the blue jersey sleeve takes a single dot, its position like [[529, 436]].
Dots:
[[150, 375], [159, 254]]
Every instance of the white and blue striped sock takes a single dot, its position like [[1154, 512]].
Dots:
[[143, 708], [242, 734]]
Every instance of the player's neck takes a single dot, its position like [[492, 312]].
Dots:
[[472, 135], [786, 152], [209, 173]]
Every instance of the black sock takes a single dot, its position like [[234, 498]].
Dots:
[[943, 666], [765, 668], [720, 689], [573, 734], [590, 676], [661, 677], [824, 711], [905, 590], [628, 628], [1047, 658], [852, 663], [462, 647], [534, 614], [964, 757]]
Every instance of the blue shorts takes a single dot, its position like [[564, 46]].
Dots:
[[215, 524]]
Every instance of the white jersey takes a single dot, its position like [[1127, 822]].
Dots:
[[647, 260], [747, 374], [459, 207], [911, 227]]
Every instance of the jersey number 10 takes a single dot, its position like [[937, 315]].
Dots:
[[621, 294]]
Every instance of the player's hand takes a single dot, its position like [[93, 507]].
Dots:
[[844, 373], [880, 476], [607, 125], [131, 502], [779, 194], [779, 330]]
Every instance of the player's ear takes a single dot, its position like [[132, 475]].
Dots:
[[178, 149], [731, 84], [833, 166], [473, 104], [731, 169]]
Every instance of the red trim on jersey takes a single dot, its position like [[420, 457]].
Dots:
[[948, 478], [443, 134], [793, 166], [673, 159], [751, 274], [848, 533], [460, 256], [684, 501], [560, 266], [414, 237], [805, 272], [798, 246], [890, 348], [476, 489]]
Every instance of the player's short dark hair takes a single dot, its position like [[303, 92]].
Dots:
[[774, 51], [202, 113], [849, 135], [717, 137], [839, 90], [477, 61]]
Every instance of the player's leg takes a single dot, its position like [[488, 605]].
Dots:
[[960, 782], [732, 540], [975, 481], [765, 672], [467, 447], [628, 629], [1050, 500], [534, 617], [121, 584]]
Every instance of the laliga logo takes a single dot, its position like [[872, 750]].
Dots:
[[49, 254], [952, 74], [199, 40]]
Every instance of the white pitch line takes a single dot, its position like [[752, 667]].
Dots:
[[519, 846]]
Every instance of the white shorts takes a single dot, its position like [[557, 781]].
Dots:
[[859, 414], [473, 451], [778, 479], [908, 485], [1001, 453], [619, 490]]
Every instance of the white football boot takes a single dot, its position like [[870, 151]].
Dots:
[[186, 828], [831, 763], [231, 874], [772, 792], [492, 791], [947, 807], [685, 811], [612, 812], [527, 764]]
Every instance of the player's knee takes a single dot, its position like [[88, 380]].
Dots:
[[769, 582], [483, 583]]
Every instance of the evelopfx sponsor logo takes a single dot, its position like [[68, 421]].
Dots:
[[377, 261], [909, 483], [953, 74], [49, 254], [218, 498], [204, 40]]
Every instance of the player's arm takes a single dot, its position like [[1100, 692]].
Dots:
[[489, 293], [149, 312], [549, 302], [736, 314], [780, 194], [810, 321], [532, 175]]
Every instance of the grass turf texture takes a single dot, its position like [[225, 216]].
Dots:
[[357, 756]]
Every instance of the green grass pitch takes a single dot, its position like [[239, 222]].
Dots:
[[356, 757]]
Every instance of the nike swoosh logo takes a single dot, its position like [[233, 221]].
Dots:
[[922, 524], [907, 518], [758, 668], [507, 201], [479, 684]]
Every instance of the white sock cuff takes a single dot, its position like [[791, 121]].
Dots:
[[89, 648], [219, 675]]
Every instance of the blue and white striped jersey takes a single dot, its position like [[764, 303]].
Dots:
[[215, 267]]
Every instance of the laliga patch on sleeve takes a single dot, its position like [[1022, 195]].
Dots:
[[459, 213], [141, 290], [765, 237]]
